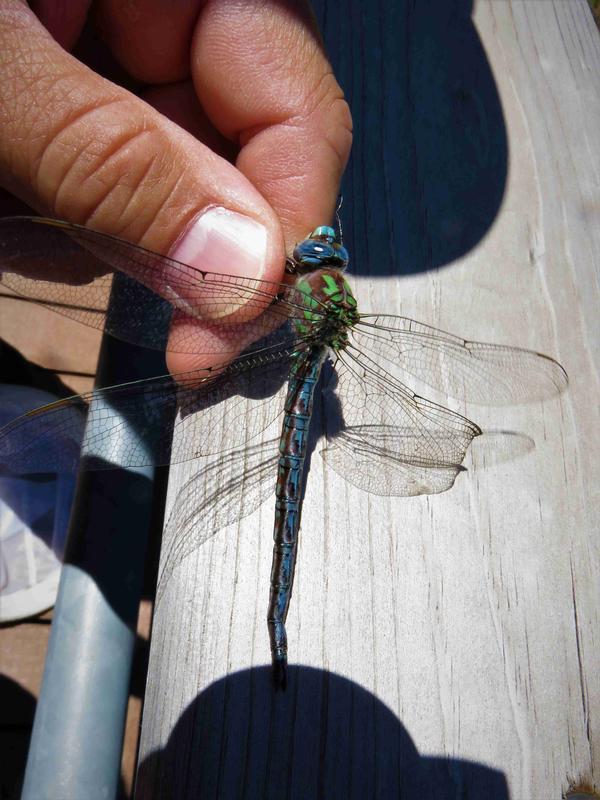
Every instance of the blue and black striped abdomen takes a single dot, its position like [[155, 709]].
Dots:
[[292, 452]]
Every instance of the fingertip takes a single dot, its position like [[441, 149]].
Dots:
[[201, 346]]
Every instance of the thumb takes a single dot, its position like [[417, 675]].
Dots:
[[75, 146]]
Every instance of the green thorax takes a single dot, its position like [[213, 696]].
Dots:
[[330, 307]]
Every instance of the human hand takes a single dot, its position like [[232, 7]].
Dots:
[[224, 81]]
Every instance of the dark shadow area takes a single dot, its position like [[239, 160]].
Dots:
[[16, 718], [41, 621], [325, 737], [18, 370], [430, 157]]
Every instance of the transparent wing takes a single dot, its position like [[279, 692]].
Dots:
[[225, 489], [131, 424], [382, 466], [70, 269], [481, 373], [391, 441]]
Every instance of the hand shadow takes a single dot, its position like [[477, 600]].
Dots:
[[429, 162], [325, 737]]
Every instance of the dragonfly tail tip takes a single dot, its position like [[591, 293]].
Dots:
[[280, 674]]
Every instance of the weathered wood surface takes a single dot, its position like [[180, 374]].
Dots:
[[446, 643]]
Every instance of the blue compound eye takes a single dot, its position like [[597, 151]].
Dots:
[[312, 252], [320, 250]]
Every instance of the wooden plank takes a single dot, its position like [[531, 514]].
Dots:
[[47, 339], [443, 645]]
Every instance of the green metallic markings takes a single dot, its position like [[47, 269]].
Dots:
[[350, 299], [331, 288], [312, 304], [329, 308], [309, 297]]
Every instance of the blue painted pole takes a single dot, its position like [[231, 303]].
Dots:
[[77, 738]]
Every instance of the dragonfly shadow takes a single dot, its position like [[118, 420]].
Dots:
[[324, 737], [329, 410], [429, 162], [498, 447]]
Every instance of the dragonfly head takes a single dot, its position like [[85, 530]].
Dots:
[[320, 250]]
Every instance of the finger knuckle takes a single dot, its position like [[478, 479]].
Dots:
[[107, 167]]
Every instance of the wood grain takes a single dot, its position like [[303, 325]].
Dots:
[[440, 644]]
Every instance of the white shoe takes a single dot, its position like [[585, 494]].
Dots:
[[34, 517]]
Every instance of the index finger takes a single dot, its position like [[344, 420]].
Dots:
[[262, 77]]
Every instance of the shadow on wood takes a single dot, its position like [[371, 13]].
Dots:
[[430, 156], [325, 737]]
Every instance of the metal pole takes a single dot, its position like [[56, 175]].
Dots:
[[77, 737]]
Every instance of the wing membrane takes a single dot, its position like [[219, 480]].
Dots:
[[374, 459], [390, 441], [369, 396], [224, 490], [482, 373], [69, 269], [208, 411]]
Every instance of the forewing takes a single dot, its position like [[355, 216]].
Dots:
[[131, 424], [69, 269], [475, 371]]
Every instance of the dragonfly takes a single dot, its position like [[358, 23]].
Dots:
[[294, 336]]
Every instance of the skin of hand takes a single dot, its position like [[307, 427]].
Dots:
[[230, 153]]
